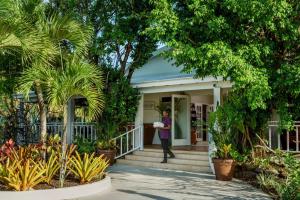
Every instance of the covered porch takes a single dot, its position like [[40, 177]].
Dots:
[[190, 102]]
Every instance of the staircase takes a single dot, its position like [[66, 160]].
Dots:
[[192, 161]]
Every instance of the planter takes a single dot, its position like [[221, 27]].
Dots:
[[109, 154], [74, 192], [224, 169]]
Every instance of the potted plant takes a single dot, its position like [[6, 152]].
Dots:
[[224, 164], [105, 144], [225, 154], [107, 148]]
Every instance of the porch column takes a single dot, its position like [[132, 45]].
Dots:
[[71, 114], [139, 140], [212, 147]]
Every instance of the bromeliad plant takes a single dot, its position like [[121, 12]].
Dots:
[[51, 168], [87, 168], [22, 176]]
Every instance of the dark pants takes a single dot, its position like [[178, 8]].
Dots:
[[165, 146]]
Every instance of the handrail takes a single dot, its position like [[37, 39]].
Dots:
[[128, 142], [126, 133]]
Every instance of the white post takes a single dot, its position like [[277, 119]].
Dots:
[[297, 138], [288, 141], [212, 147], [139, 122], [71, 113], [270, 137]]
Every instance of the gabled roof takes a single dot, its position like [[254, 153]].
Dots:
[[159, 68]]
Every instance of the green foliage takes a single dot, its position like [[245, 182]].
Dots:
[[87, 168], [220, 126], [253, 44], [118, 30], [84, 145], [53, 143], [22, 176], [51, 168], [106, 145], [280, 174], [119, 109]]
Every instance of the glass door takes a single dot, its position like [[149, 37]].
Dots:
[[181, 133]]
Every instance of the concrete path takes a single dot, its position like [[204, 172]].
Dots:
[[136, 183]]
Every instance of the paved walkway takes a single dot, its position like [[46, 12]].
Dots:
[[136, 183]]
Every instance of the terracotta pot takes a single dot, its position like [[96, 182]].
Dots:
[[109, 154], [224, 169]]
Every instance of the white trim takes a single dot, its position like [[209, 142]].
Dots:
[[184, 87], [73, 192], [187, 140], [177, 81]]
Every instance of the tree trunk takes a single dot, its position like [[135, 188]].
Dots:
[[43, 117], [63, 162]]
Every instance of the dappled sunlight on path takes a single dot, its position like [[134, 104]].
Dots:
[[141, 183]]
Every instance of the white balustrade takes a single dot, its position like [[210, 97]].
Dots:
[[286, 140], [130, 141]]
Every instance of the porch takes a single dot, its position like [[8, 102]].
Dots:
[[190, 102]]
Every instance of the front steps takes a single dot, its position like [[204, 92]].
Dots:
[[192, 161]]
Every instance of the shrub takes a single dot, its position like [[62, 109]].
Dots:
[[53, 143], [6, 149], [51, 167], [25, 153], [22, 176], [84, 145], [88, 168], [106, 145]]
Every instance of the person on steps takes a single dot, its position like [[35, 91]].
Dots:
[[165, 134]]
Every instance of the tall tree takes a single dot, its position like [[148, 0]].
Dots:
[[255, 44], [64, 35], [118, 39], [21, 42]]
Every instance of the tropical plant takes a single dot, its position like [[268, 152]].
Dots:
[[84, 145], [53, 143], [106, 144], [118, 112], [51, 167], [6, 149], [22, 176], [118, 31], [75, 79], [24, 153], [87, 168], [68, 38]]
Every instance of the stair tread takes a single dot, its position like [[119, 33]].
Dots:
[[177, 155], [178, 151], [203, 162], [194, 168]]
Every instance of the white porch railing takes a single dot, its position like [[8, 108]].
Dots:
[[83, 130], [129, 141], [284, 140], [77, 129]]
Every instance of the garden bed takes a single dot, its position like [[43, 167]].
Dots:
[[71, 190]]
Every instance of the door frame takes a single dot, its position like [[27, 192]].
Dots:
[[187, 141]]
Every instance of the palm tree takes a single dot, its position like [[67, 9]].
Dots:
[[18, 35], [76, 79], [68, 38]]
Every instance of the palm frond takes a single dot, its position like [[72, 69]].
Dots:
[[65, 29], [77, 79]]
